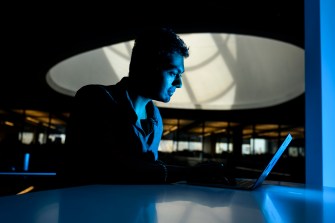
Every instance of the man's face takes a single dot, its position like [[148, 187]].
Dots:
[[167, 78]]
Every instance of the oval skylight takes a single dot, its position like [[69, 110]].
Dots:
[[224, 71]]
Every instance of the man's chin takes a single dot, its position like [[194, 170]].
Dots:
[[165, 100]]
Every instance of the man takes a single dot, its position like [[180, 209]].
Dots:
[[114, 131]]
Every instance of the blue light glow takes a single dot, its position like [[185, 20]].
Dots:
[[26, 162], [328, 89]]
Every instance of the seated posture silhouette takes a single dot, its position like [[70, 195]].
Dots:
[[114, 131]]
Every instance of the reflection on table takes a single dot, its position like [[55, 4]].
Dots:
[[169, 203]]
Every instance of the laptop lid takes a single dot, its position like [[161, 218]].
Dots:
[[273, 161], [248, 183]]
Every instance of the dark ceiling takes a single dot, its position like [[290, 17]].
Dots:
[[36, 39]]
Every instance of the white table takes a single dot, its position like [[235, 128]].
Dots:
[[176, 203]]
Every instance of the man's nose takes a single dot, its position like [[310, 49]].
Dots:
[[178, 82]]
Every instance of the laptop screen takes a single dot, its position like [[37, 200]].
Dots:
[[274, 160]]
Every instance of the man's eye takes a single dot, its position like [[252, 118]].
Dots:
[[176, 74]]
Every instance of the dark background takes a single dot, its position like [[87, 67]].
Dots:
[[36, 37]]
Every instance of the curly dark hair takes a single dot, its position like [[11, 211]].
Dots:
[[154, 44]]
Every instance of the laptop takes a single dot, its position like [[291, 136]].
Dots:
[[247, 183]]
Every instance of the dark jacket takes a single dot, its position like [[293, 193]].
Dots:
[[103, 141]]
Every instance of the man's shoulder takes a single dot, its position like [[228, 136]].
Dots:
[[98, 93], [92, 89]]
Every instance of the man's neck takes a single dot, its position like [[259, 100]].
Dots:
[[139, 104]]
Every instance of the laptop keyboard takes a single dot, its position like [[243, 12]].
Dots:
[[244, 182]]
